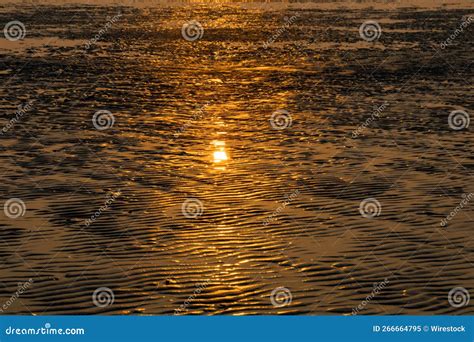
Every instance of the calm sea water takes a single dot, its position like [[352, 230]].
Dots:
[[234, 170]]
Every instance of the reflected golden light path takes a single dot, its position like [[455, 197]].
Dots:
[[219, 154]]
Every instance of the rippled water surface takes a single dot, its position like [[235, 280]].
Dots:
[[192, 121]]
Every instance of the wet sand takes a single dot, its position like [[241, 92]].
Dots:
[[192, 120]]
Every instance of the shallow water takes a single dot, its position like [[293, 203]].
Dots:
[[192, 120]]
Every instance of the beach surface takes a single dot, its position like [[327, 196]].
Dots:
[[271, 161]]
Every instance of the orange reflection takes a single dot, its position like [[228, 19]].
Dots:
[[219, 154]]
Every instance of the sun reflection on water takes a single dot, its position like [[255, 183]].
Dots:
[[219, 154]]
